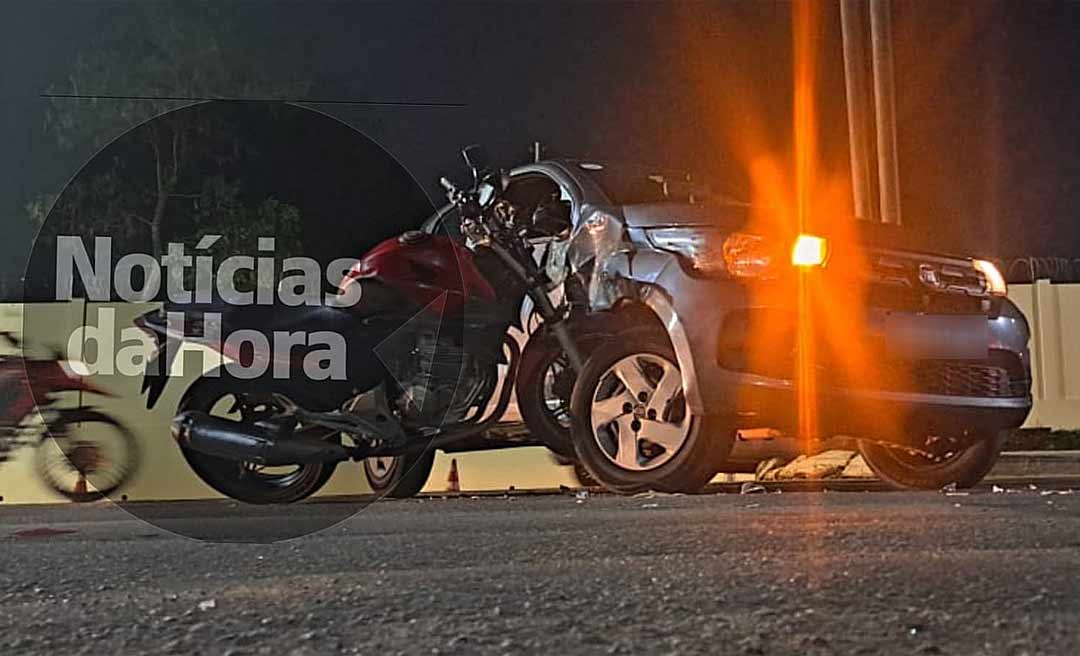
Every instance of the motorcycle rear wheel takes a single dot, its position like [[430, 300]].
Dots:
[[245, 481]]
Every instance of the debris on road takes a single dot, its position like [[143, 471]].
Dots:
[[951, 490], [209, 604], [766, 466], [749, 487], [857, 468], [827, 464]]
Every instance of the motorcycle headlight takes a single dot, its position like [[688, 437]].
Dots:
[[713, 251]]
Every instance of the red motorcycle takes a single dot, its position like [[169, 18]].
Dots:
[[426, 342], [81, 453]]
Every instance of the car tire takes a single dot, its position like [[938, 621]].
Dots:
[[399, 477], [903, 471], [658, 444], [583, 477]]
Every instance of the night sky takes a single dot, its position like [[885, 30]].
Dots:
[[988, 103]]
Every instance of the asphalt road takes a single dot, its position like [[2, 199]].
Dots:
[[813, 573]]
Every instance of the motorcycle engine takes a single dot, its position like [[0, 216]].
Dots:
[[441, 383]]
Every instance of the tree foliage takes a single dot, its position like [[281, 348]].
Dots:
[[129, 87]]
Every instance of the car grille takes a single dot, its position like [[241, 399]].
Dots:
[[980, 378], [965, 379], [1001, 375], [925, 283]]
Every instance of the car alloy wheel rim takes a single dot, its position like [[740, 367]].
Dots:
[[639, 418]]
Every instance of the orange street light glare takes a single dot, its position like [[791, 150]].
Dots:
[[809, 251]]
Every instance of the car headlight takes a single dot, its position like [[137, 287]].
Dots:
[[713, 251], [995, 282]]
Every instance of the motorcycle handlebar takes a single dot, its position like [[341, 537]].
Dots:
[[473, 220]]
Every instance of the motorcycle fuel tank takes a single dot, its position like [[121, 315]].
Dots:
[[422, 267]]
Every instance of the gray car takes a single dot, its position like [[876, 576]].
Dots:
[[689, 317], [919, 357]]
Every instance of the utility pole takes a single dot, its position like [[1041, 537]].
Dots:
[[852, 14], [885, 108], [866, 27]]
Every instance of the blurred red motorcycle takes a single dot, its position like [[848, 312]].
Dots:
[[81, 453]]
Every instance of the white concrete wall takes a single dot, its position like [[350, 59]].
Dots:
[[1054, 313]]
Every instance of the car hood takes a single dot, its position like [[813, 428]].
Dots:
[[734, 215]]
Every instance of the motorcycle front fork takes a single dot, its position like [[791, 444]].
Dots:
[[573, 354], [551, 316]]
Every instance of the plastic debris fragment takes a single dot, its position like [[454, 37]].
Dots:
[[750, 487]]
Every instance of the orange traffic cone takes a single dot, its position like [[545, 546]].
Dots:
[[80, 485], [453, 484]]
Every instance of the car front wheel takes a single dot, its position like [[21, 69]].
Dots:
[[632, 426]]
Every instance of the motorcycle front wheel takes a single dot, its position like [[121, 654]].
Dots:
[[544, 388], [245, 481], [544, 384], [399, 477]]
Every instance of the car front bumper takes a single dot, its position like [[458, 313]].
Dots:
[[698, 312]]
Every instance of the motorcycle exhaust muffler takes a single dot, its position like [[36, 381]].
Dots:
[[233, 440]]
